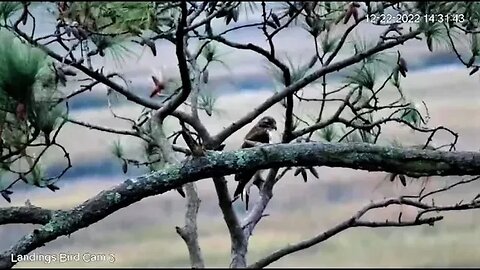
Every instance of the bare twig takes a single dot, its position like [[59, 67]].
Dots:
[[225, 133], [352, 222], [462, 182], [102, 128]]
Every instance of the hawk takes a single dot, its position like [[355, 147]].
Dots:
[[260, 133]]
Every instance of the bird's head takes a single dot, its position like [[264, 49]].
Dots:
[[268, 123]]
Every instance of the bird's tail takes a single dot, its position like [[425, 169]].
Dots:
[[245, 181], [238, 191], [242, 179], [182, 193]]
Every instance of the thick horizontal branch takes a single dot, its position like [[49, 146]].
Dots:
[[408, 161], [25, 215]]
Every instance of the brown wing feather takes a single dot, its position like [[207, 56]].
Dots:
[[256, 134]]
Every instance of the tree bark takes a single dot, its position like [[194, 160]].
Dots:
[[407, 161], [238, 238]]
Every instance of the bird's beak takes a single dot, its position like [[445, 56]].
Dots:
[[275, 127]]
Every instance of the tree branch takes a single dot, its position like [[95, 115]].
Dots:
[[208, 18], [104, 129], [237, 237], [225, 133], [192, 121], [97, 76], [408, 161], [189, 231], [129, 95], [266, 194], [352, 222], [334, 231], [121, 132], [26, 215], [182, 66]]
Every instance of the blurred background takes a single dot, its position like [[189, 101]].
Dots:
[[143, 235]]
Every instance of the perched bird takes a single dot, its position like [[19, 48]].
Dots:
[[260, 133]]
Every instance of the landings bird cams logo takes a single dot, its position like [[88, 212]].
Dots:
[[86, 257]]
